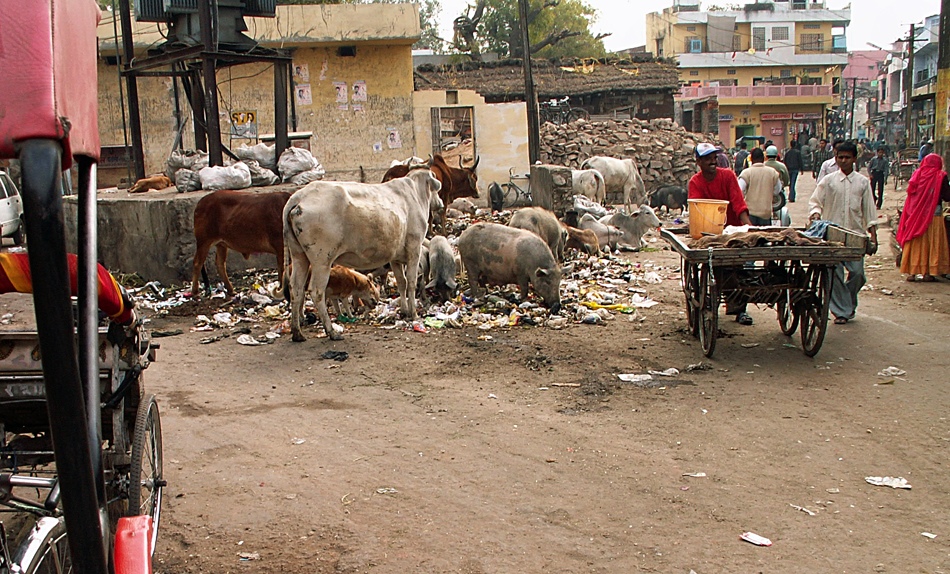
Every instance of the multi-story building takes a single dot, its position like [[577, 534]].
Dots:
[[859, 94], [775, 65]]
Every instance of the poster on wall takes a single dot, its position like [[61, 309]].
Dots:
[[359, 91], [393, 140], [341, 95], [304, 96], [301, 74], [244, 124], [378, 147], [357, 107]]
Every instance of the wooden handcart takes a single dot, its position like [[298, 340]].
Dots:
[[795, 280]]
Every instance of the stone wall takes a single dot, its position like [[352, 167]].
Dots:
[[662, 149]]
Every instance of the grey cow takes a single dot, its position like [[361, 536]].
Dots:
[[634, 226]]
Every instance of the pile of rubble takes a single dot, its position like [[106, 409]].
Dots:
[[662, 149]]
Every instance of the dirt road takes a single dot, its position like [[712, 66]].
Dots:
[[443, 452]]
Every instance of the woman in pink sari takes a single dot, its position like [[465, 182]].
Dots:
[[921, 232]]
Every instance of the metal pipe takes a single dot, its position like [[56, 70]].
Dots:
[[131, 82], [43, 205], [281, 79], [530, 94], [208, 71]]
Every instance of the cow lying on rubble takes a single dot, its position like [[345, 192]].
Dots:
[[245, 221], [634, 226], [361, 226]]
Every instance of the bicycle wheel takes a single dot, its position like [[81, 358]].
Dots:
[[45, 550], [577, 114], [146, 480]]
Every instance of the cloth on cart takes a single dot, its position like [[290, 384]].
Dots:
[[15, 276], [758, 238]]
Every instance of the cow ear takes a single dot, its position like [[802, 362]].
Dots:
[[541, 272], [635, 214]]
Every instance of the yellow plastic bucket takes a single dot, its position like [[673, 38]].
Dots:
[[706, 216]]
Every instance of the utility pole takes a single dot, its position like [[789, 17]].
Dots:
[[910, 87], [854, 96], [941, 127], [530, 94]]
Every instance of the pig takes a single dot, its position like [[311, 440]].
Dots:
[[634, 226], [498, 255], [669, 196], [344, 283], [607, 235], [442, 269], [545, 225], [581, 239], [463, 204]]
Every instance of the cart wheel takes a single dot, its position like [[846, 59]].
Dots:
[[787, 317], [689, 280], [146, 481], [45, 548], [708, 311], [814, 311]]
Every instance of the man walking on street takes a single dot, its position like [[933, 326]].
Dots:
[[740, 157], [760, 184], [793, 162], [844, 198], [878, 168], [819, 156]]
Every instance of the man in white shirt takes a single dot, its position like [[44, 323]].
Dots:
[[760, 184], [844, 198], [831, 164]]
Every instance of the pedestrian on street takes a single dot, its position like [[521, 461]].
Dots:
[[793, 162], [740, 157], [714, 182], [878, 168], [831, 164], [760, 184], [819, 156], [922, 233], [926, 148], [844, 198]]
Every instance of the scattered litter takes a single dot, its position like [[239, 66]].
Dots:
[[698, 367], [335, 355], [564, 384], [249, 340], [652, 277], [886, 382], [171, 333], [695, 474], [249, 556], [749, 345], [6, 318], [928, 535], [892, 372], [887, 292], [632, 378], [671, 372], [755, 539], [298, 441], [213, 339], [642, 302], [386, 490], [833, 490], [893, 482], [802, 509]]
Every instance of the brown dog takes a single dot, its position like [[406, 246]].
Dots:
[[345, 284], [157, 181]]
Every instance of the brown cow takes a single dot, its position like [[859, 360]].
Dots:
[[456, 181], [581, 239], [157, 181], [245, 221]]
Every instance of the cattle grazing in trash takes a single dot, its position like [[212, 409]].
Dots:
[[620, 175], [545, 225], [590, 184], [581, 239], [441, 269], [456, 181], [634, 226], [608, 236], [346, 284], [245, 221], [157, 181], [361, 226], [495, 254], [669, 196]]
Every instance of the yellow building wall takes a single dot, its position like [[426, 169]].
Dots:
[[824, 28], [346, 135], [501, 134], [752, 116]]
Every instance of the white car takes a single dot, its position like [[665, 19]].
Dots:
[[11, 210]]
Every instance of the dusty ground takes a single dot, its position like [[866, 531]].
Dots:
[[441, 452]]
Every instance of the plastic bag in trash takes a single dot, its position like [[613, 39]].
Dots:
[[260, 176], [236, 176], [305, 177], [295, 160], [185, 159], [582, 204], [263, 154], [187, 180]]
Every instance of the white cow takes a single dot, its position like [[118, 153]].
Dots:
[[634, 226], [361, 226], [620, 175], [607, 235], [590, 183]]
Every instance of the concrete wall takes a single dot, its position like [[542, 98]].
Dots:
[[501, 134]]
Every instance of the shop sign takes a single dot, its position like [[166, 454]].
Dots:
[[766, 117], [808, 116], [725, 117], [777, 131]]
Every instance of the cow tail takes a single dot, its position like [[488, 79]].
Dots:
[[601, 186], [289, 235]]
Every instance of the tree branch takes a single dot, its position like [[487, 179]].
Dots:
[[553, 38]]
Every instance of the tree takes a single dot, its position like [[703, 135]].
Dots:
[[556, 28]]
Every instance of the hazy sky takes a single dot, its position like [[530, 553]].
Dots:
[[871, 20]]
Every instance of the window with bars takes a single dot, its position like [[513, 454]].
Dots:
[[785, 74], [812, 43], [693, 45], [758, 38], [779, 33], [812, 26], [691, 28], [694, 72], [731, 72]]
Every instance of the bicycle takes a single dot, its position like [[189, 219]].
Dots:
[[511, 194], [560, 111]]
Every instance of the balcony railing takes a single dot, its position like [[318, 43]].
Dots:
[[723, 92]]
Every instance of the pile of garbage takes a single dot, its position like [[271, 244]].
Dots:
[[258, 167], [662, 149]]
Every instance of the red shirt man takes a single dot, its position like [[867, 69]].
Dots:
[[714, 182]]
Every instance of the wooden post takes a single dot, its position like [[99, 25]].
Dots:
[[530, 94]]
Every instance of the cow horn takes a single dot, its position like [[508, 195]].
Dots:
[[475, 165]]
